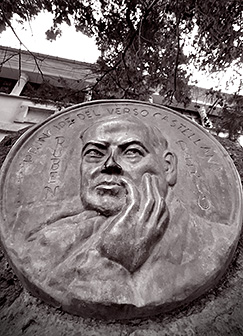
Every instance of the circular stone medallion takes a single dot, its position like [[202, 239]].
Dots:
[[119, 209]]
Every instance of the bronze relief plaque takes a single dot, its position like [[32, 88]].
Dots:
[[119, 209]]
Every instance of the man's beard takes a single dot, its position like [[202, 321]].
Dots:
[[139, 218], [107, 198]]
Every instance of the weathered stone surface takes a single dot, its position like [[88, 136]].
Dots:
[[218, 313], [95, 262]]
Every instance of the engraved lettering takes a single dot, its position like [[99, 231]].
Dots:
[[58, 128], [185, 130], [181, 125], [182, 144], [110, 110], [58, 149], [187, 156], [203, 202], [144, 113], [53, 175], [189, 163], [88, 114], [38, 144], [62, 123], [28, 158], [60, 140], [165, 118], [207, 150], [70, 121], [33, 150], [196, 141], [156, 113], [190, 136], [51, 192], [209, 153], [126, 110], [81, 116], [135, 110], [96, 113], [43, 137], [173, 122], [55, 163]]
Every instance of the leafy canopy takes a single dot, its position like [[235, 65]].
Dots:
[[142, 41]]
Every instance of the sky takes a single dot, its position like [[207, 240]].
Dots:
[[76, 46], [72, 45]]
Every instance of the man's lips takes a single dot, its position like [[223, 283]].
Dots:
[[108, 183], [108, 186], [111, 188]]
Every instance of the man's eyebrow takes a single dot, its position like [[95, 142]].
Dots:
[[133, 142], [100, 145]]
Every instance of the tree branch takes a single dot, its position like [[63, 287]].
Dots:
[[21, 43], [178, 18], [123, 53], [7, 59]]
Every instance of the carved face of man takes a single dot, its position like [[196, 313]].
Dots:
[[117, 153]]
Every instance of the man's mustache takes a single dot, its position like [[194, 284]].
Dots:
[[110, 180]]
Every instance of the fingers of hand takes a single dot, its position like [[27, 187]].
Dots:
[[159, 205], [147, 198], [154, 204], [133, 202]]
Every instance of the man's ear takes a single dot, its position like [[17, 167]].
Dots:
[[170, 167]]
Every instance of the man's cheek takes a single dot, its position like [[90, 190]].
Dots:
[[137, 173]]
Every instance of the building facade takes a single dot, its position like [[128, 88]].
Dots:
[[25, 82], [34, 86]]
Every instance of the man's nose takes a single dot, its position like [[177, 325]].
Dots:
[[111, 166]]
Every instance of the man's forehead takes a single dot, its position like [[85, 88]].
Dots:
[[118, 130]]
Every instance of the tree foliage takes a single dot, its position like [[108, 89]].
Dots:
[[232, 117], [46, 92], [142, 42]]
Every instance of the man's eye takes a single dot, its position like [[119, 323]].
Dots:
[[133, 153], [94, 153]]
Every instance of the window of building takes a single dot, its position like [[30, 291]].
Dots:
[[7, 85]]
